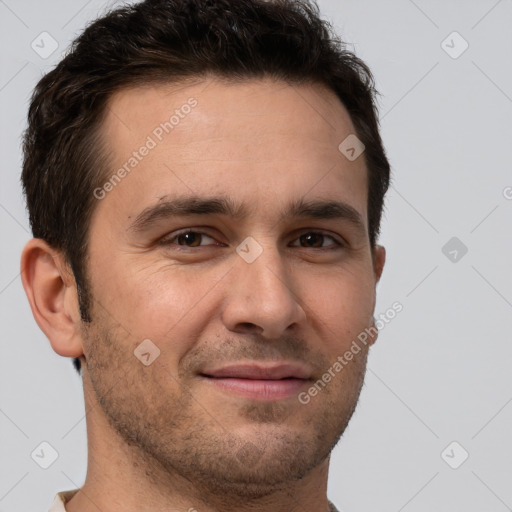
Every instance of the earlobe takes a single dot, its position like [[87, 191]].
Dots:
[[51, 292], [373, 332]]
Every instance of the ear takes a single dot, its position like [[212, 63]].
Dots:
[[379, 259], [51, 292]]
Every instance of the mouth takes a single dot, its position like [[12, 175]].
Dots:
[[255, 382], [258, 389]]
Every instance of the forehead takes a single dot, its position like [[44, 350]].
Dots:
[[256, 139]]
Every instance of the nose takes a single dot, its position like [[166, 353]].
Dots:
[[262, 297]]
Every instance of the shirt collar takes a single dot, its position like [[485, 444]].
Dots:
[[63, 497]]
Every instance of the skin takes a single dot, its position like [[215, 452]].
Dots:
[[159, 436]]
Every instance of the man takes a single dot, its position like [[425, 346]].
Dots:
[[205, 181]]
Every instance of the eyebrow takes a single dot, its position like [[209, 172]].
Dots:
[[200, 205]]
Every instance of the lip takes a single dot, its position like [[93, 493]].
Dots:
[[257, 382], [258, 389], [261, 372]]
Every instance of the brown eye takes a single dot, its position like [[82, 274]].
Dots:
[[186, 239], [312, 239], [315, 240], [191, 238]]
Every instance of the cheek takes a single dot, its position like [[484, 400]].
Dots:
[[343, 305], [164, 303]]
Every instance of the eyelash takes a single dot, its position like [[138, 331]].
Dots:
[[167, 241]]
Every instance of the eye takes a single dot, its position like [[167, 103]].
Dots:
[[186, 238], [314, 240], [189, 238]]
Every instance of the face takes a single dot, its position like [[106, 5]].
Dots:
[[232, 240]]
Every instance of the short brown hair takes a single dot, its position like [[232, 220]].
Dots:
[[171, 40]]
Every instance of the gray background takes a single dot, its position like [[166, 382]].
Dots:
[[440, 371]]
